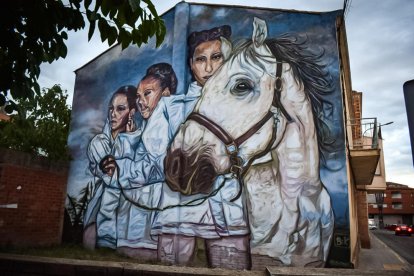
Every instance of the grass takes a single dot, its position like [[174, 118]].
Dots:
[[77, 251], [69, 251]]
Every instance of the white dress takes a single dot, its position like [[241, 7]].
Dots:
[[102, 206], [141, 178]]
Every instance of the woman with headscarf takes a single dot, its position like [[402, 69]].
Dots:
[[140, 178], [118, 138]]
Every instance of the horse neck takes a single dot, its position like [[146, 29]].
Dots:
[[298, 151]]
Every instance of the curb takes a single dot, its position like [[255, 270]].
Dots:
[[11, 264], [33, 265]]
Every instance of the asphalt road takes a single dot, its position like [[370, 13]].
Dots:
[[402, 245]]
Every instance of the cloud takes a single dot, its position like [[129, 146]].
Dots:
[[79, 53], [381, 43]]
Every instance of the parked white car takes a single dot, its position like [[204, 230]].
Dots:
[[371, 224]]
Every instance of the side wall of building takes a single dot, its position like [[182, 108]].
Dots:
[[349, 114], [249, 157]]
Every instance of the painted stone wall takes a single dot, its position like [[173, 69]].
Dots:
[[227, 139]]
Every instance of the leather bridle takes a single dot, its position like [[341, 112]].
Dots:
[[232, 145]]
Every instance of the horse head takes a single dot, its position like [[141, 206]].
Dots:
[[234, 121]]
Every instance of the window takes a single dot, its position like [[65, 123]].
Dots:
[[396, 195], [396, 205], [376, 205]]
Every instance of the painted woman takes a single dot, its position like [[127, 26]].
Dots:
[[118, 138], [140, 178]]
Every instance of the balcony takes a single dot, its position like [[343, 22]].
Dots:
[[365, 150]]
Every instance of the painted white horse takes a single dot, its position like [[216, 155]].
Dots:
[[256, 120]]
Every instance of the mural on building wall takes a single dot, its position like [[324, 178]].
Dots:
[[230, 137]]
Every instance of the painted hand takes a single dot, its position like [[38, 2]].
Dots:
[[108, 165], [130, 127]]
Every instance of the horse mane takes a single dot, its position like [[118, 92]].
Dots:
[[309, 72]]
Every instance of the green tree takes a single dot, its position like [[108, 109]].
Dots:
[[33, 32], [41, 125]]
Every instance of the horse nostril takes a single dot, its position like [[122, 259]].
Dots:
[[204, 178], [175, 166], [172, 164]]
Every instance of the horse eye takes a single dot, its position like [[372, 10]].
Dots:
[[242, 87]]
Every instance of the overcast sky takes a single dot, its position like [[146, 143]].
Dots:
[[381, 51]]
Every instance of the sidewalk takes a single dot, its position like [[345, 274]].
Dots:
[[381, 257]]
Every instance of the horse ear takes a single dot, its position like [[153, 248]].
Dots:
[[226, 47], [259, 31]]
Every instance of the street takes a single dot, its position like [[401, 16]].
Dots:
[[402, 245]]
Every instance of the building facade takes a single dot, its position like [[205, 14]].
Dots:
[[397, 206], [253, 160]]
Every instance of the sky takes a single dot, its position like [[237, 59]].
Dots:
[[380, 40]]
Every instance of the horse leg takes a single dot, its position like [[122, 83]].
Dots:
[[293, 170], [269, 219], [316, 228], [298, 155], [327, 221]]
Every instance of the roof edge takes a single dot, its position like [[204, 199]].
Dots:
[[208, 4]]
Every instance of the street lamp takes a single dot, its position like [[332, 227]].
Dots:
[[379, 198], [376, 133], [379, 129], [380, 125], [374, 142]]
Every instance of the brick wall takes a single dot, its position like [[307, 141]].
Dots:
[[398, 200], [32, 194], [362, 208], [357, 107]]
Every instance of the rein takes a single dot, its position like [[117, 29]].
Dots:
[[278, 90], [191, 203]]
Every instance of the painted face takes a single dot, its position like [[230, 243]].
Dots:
[[118, 113], [206, 60], [148, 95]]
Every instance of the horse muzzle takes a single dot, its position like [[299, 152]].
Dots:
[[190, 172]]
